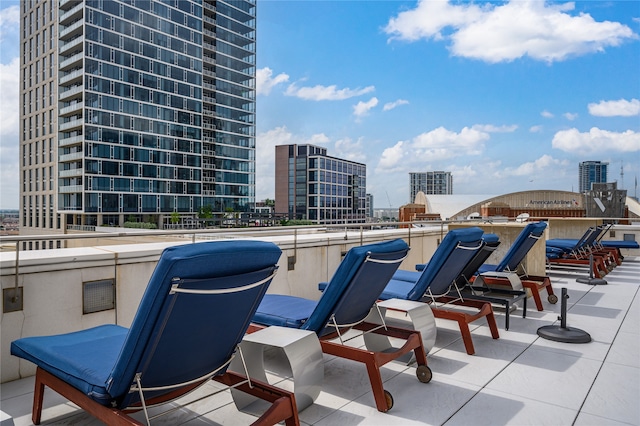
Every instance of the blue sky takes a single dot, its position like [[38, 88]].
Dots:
[[508, 96]]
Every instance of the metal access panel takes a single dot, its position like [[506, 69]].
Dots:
[[12, 299], [98, 295]]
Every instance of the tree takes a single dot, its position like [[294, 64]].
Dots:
[[205, 212], [175, 217]]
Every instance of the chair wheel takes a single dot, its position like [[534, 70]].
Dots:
[[424, 373], [552, 298], [389, 399]]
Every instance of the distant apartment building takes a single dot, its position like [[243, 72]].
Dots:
[[310, 185], [369, 205], [135, 110], [590, 172], [431, 183]]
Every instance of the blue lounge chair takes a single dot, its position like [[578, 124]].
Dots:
[[437, 278], [468, 288], [194, 312], [588, 245], [512, 260], [579, 252], [345, 303]]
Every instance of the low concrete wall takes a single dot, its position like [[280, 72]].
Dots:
[[52, 280]]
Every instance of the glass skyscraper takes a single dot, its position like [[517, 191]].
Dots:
[[310, 185], [136, 108], [590, 172]]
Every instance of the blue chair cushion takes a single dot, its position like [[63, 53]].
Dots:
[[402, 275], [465, 236], [337, 298], [343, 277], [489, 239], [162, 343], [521, 246], [621, 244], [283, 310], [444, 254], [397, 289], [84, 359], [561, 243], [186, 261]]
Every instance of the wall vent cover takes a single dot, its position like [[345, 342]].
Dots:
[[98, 296]]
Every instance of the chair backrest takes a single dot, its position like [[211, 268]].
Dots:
[[455, 251], [604, 229], [490, 243], [356, 284], [529, 235], [195, 310], [580, 244], [593, 239]]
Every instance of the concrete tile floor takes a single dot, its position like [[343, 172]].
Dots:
[[518, 379]]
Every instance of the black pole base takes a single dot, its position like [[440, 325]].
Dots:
[[565, 335], [592, 281]]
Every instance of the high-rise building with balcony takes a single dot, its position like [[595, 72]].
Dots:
[[135, 110], [310, 185], [431, 183], [590, 172]]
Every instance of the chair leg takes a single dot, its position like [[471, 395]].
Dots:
[[274, 414], [466, 337], [38, 397], [376, 385], [493, 325], [107, 415], [535, 293]]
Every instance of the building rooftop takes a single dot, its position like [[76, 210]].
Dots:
[[518, 379]]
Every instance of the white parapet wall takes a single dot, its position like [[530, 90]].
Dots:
[[52, 280]]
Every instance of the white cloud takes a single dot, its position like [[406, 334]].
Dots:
[[391, 105], [350, 150], [570, 116], [317, 139], [9, 22], [442, 143], [391, 158], [9, 134], [362, 108], [490, 128], [507, 31], [326, 93], [532, 168], [436, 145], [596, 141], [546, 114], [535, 129], [622, 108], [265, 80]]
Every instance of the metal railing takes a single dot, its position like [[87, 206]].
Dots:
[[406, 228]]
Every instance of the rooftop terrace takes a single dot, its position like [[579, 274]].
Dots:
[[517, 379]]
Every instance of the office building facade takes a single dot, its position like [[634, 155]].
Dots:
[[431, 183], [135, 110], [369, 205], [590, 172], [312, 186]]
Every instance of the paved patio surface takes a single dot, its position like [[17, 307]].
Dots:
[[518, 379]]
